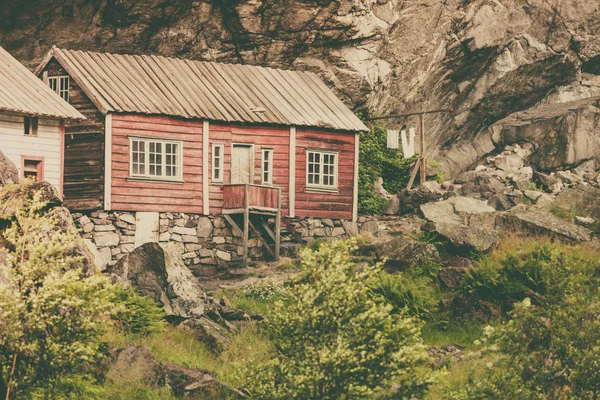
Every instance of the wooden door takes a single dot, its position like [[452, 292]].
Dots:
[[241, 164]]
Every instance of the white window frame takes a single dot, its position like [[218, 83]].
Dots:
[[55, 83], [322, 153], [221, 166], [163, 176], [268, 153]]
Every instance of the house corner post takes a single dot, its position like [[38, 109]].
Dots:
[[205, 168], [356, 162], [292, 174], [108, 162], [62, 159]]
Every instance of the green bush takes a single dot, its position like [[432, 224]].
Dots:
[[517, 276], [334, 341], [52, 317], [376, 160], [549, 349], [413, 295], [136, 314]]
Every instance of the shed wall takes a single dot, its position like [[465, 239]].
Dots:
[[140, 195], [84, 149], [325, 204], [14, 144]]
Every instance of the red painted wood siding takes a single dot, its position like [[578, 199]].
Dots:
[[272, 137], [135, 195], [313, 203]]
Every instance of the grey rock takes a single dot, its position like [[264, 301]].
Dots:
[[393, 206], [135, 365], [128, 218], [8, 171], [106, 239], [585, 221], [370, 227], [402, 252], [540, 222], [183, 231]]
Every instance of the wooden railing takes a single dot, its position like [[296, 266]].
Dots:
[[255, 197]]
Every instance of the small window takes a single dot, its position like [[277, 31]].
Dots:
[[31, 126], [60, 84], [321, 169], [33, 169], [267, 166], [156, 159], [217, 162]]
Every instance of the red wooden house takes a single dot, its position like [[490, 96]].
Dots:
[[173, 135]]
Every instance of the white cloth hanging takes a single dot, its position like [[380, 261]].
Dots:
[[392, 139], [408, 143]]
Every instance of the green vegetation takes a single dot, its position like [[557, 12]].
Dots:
[[52, 318], [334, 341], [376, 160]]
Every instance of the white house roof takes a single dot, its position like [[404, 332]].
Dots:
[[22, 92], [195, 89]]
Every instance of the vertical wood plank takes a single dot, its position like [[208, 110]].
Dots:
[[205, 171], [355, 193], [292, 174], [61, 180], [246, 223], [423, 168], [278, 226], [108, 162]]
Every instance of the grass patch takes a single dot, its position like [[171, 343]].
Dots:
[[457, 333], [115, 391]]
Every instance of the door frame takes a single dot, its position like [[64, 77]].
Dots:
[[252, 160]]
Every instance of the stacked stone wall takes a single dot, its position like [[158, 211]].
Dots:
[[211, 244]]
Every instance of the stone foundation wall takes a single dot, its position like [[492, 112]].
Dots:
[[211, 244]]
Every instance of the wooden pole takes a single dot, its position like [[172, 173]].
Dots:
[[246, 222], [278, 226], [422, 151]]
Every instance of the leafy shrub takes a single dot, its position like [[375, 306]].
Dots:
[[334, 341], [137, 314], [413, 295], [549, 349], [376, 160], [517, 276], [52, 318]]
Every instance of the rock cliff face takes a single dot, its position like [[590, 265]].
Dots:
[[483, 59]]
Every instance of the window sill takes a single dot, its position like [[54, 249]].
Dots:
[[157, 180], [322, 189]]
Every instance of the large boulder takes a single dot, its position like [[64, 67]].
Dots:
[[402, 252], [468, 223], [162, 276], [18, 198], [580, 200], [196, 384], [135, 365], [535, 221], [8, 171]]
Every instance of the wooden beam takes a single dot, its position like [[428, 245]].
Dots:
[[246, 224], [268, 230], [205, 172], [355, 193], [262, 240], [234, 225], [278, 226], [410, 114], [292, 174], [107, 161], [422, 151], [414, 174]]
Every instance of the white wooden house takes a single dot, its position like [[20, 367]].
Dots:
[[32, 122]]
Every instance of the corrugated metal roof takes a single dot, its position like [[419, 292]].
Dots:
[[196, 89], [22, 92]]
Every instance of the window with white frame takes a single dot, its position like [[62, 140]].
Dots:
[[60, 84], [267, 166], [156, 159], [218, 150], [322, 169]]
